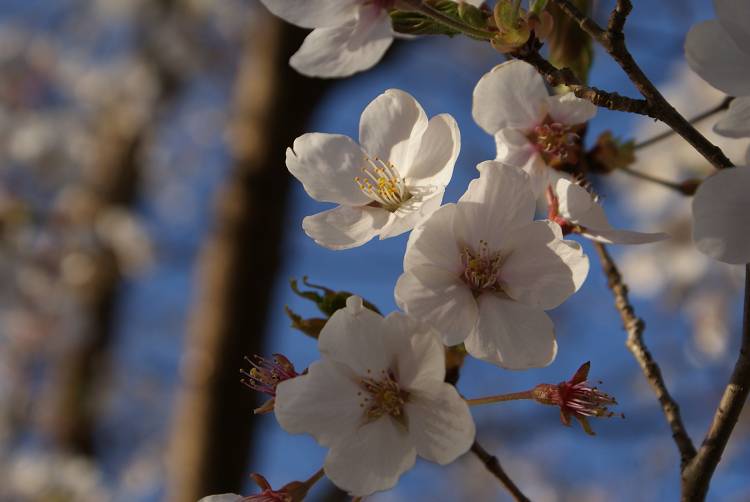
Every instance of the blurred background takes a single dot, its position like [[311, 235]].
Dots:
[[149, 228]]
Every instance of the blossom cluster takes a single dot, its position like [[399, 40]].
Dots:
[[479, 273]]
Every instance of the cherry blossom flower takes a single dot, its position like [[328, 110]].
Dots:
[[265, 375], [376, 399], [532, 130], [348, 36], [719, 51], [385, 186], [576, 211], [482, 272], [576, 399], [721, 221]]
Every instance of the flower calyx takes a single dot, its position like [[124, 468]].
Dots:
[[576, 399], [553, 213], [295, 491]]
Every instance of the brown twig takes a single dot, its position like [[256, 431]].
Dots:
[[698, 118], [696, 476], [634, 326], [673, 185], [565, 76], [613, 41], [493, 465]]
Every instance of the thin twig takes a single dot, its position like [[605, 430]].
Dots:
[[493, 465], [634, 326], [565, 76], [673, 185], [613, 41], [619, 16], [697, 474], [698, 118]]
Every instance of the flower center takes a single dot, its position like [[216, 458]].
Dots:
[[557, 143], [383, 396], [482, 268], [383, 184]]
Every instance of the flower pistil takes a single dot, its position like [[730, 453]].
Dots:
[[384, 397], [383, 184], [482, 268]]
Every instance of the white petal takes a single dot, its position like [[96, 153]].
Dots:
[[346, 49], [372, 459], [345, 227], [713, 55], [734, 16], [736, 122], [413, 212], [721, 226], [613, 236], [327, 164], [323, 403], [475, 3], [594, 218], [493, 205], [574, 200], [433, 243], [512, 335], [391, 127], [540, 174], [354, 337], [511, 95], [420, 357], [513, 147], [440, 423], [541, 269], [314, 13], [569, 109], [437, 154], [439, 298]]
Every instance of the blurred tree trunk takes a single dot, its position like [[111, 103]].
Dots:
[[111, 184], [213, 421]]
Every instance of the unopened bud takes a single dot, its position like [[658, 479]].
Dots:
[[689, 187]]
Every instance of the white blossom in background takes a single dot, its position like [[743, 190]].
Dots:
[[532, 130], [483, 272], [719, 51], [348, 36], [721, 216], [576, 210], [675, 274], [385, 185], [376, 399]]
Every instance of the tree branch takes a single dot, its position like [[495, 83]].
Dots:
[[694, 120], [493, 465], [634, 326], [613, 42], [565, 76], [697, 474]]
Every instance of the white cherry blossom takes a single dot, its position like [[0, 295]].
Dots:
[[482, 272], [719, 51], [376, 399], [532, 130], [576, 210], [386, 184], [348, 36], [721, 216]]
